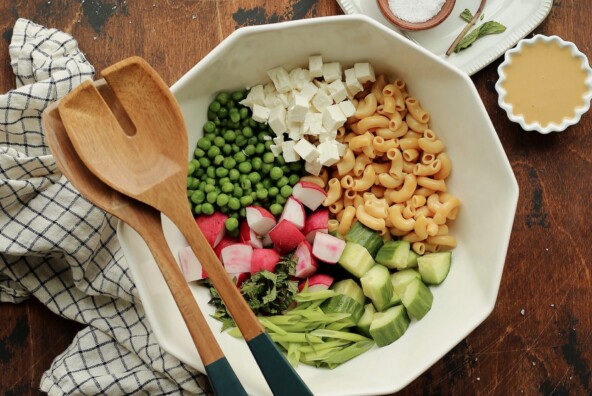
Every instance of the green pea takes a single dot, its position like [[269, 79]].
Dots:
[[209, 188], [262, 194], [238, 96], [189, 179], [222, 97], [211, 172], [253, 140], [279, 160], [234, 115], [218, 159], [266, 184], [286, 191], [247, 132], [212, 196], [254, 177], [239, 157], [197, 209], [204, 143], [211, 116], [190, 193], [221, 172], [281, 200], [250, 150], [199, 173], [240, 141], [190, 168], [194, 183], [233, 174], [260, 148], [273, 191], [223, 113], [229, 163], [229, 135], [245, 167], [237, 191], [214, 106], [257, 163], [276, 173], [261, 137], [231, 224], [231, 104], [223, 180], [208, 208], [210, 137], [227, 187], [234, 203], [242, 213], [246, 200], [258, 186], [276, 209], [266, 168], [268, 144], [209, 127], [243, 112], [293, 179], [213, 152], [252, 123], [222, 200], [295, 166], [282, 182], [227, 149], [204, 162], [202, 185], [198, 196], [246, 184], [285, 169], [219, 141], [268, 158], [235, 148], [198, 153]]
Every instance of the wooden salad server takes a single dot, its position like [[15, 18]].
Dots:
[[144, 155], [146, 221]]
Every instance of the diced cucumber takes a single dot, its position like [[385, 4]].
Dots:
[[412, 259], [401, 279], [356, 259], [349, 299], [389, 325], [434, 267], [394, 254], [350, 288], [417, 298], [376, 284], [363, 325], [365, 236]]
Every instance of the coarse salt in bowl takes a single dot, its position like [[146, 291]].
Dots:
[[481, 177], [568, 119]]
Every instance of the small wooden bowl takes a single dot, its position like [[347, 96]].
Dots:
[[413, 26]]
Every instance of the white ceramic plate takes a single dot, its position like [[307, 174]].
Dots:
[[520, 18], [482, 178]]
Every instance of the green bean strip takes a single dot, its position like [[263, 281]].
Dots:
[[313, 296], [296, 337], [271, 326], [339, 335]]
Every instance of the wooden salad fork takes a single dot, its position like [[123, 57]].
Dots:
[[146, 221], [143, 154]]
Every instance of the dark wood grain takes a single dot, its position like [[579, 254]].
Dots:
[[537, 341]]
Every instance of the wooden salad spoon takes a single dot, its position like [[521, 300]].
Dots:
[[144, 156], [146, 221]]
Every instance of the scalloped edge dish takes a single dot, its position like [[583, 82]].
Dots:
[[535, 126], [520, 18]]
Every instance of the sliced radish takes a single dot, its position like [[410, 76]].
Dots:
[[260, 219], [264, 259], [237, 258], [212, 227], [316, 282], [267, 242], [318, 221], [285, 236], [247, 235], [226, 241], [294, 213], [310, 194], [190, 265], [306, 264], [327, 248], [240, 278]]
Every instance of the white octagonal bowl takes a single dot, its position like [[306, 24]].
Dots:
[[482, 178]]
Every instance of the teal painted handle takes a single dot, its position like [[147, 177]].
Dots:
[[279, 374], [223, 379]]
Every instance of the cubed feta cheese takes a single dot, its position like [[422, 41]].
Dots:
[[306, 150], [341, 148], [338, 91], [348, 108], [281, 79], [295, 131], [260, 113], [299, 77], [272, 100], [322, 86], [298, 108], [328, 153], [313, 167], [326, 135], [269, 88], [333, 118], [289, 154], [284, 98], [364, 72], [278, 140], [321, 101], [276, 149], [309, 90], [352, 83], [277, 120], [255, 96], [315, 66], [313, 123], [331, 71]]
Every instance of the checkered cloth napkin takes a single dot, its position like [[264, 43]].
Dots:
[[59, 248]]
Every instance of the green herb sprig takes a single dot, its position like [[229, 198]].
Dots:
[[485, 29]]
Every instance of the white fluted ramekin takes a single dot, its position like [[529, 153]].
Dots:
[[535, 126]]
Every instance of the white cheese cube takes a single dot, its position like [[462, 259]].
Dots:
[[306, 150], [260, 113], [313, 123], [352, 83], [322, 86], [309, 90], [276, 149], [289, 154], [364, 72], [280, 78], [315, 66], [333, 118], [298, 108], [338, 91], [348, 108], [341, 148], [326, 135], [321, 101], [328, 153], [331, 71], [313, 167], [255, 96], [284, 98], [299, 77], [269, 88], [277, 120], [272, 100], [295, 131], [278, 140]]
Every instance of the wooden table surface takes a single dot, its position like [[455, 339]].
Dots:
[[538, 340]]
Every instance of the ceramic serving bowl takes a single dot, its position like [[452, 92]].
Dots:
[[482, 178], [519, 118]]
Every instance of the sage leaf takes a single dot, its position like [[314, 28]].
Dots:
[[487, 28]]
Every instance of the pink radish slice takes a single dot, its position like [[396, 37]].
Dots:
[[285, 236], [264, 259], [237, 258], [316, 282], [190, 265], [247, 235], [310, 194], [226, 241], [267, 242], [260, 219], [306, 264], [327, 248], [212, 227], [294, 213], [318, 221]]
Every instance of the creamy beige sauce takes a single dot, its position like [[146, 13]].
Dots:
[[545, 83]]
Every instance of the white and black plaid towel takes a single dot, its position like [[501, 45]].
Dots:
[[57, 247]]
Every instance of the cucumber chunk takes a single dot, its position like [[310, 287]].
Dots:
[[376, 285], [401, 279], [417, 298], [349, 299], [394, 254], [366, 237], [412, 259], [363, 325], [356, 259], [434, 267], [389, 326], [350, 288]]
